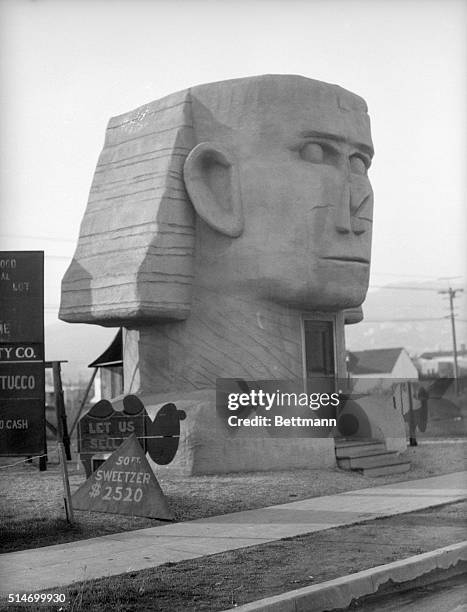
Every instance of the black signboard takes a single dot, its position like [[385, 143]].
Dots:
[[22, 380], [22, 426], [22, 399], [103, 429], [107, 434]]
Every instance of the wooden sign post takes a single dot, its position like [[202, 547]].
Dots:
[[66, 482], [62, 429], [22, 384]]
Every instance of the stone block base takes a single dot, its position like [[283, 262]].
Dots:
[[208, 446]]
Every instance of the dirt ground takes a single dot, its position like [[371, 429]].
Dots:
[[32, 513], [221, 581]]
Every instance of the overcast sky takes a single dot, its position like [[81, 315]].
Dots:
[[68, 66]]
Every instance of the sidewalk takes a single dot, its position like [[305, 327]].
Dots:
[[51, 566]]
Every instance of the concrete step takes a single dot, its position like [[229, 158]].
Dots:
[[348, 461], [387, 470], [369, 457], [356, 449], [362, 453], [369, 461], [356, 441]]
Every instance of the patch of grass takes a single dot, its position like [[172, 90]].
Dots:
[[14, 531], [31, 502]]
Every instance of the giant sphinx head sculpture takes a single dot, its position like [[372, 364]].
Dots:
[[256, 187]]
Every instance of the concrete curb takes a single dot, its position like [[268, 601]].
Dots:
[[339, 593]]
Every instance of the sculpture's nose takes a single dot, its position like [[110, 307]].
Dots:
[[343, 221], [352, 200]]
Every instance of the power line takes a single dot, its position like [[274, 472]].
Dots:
[[401, 320], [405, 275], [405, 288]]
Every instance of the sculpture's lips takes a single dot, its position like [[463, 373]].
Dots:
[[348, 259]]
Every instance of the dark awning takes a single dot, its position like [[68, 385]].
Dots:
[[113, 354]]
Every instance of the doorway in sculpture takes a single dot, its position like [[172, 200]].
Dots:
[[319, 356]]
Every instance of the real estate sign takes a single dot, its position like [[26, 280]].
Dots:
[[124, 484], [22, 397]]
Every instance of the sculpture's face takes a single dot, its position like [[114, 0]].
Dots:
[[307, 204], [290, 152]]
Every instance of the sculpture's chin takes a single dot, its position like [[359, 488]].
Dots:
[[306, 296], [328, 301]]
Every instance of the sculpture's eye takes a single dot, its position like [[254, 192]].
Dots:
[[319, 153], [358, 165], [312, 152]]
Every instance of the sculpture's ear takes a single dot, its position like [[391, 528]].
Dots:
[[211, 179]]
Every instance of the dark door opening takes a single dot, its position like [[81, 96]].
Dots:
[[319, 349], [320, 369]]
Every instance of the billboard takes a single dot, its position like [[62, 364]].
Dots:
[[22, 384]]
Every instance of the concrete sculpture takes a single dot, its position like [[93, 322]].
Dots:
[[220, 219]]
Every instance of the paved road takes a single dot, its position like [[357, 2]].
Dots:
[[448, 596]]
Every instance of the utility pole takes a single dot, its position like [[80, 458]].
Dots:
[[452, 295]]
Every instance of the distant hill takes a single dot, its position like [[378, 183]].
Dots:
[[77, 343], [414, 317]]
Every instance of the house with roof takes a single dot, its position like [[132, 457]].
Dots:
[[381, 363], [380, 394], [441, 363], [108, 371]]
